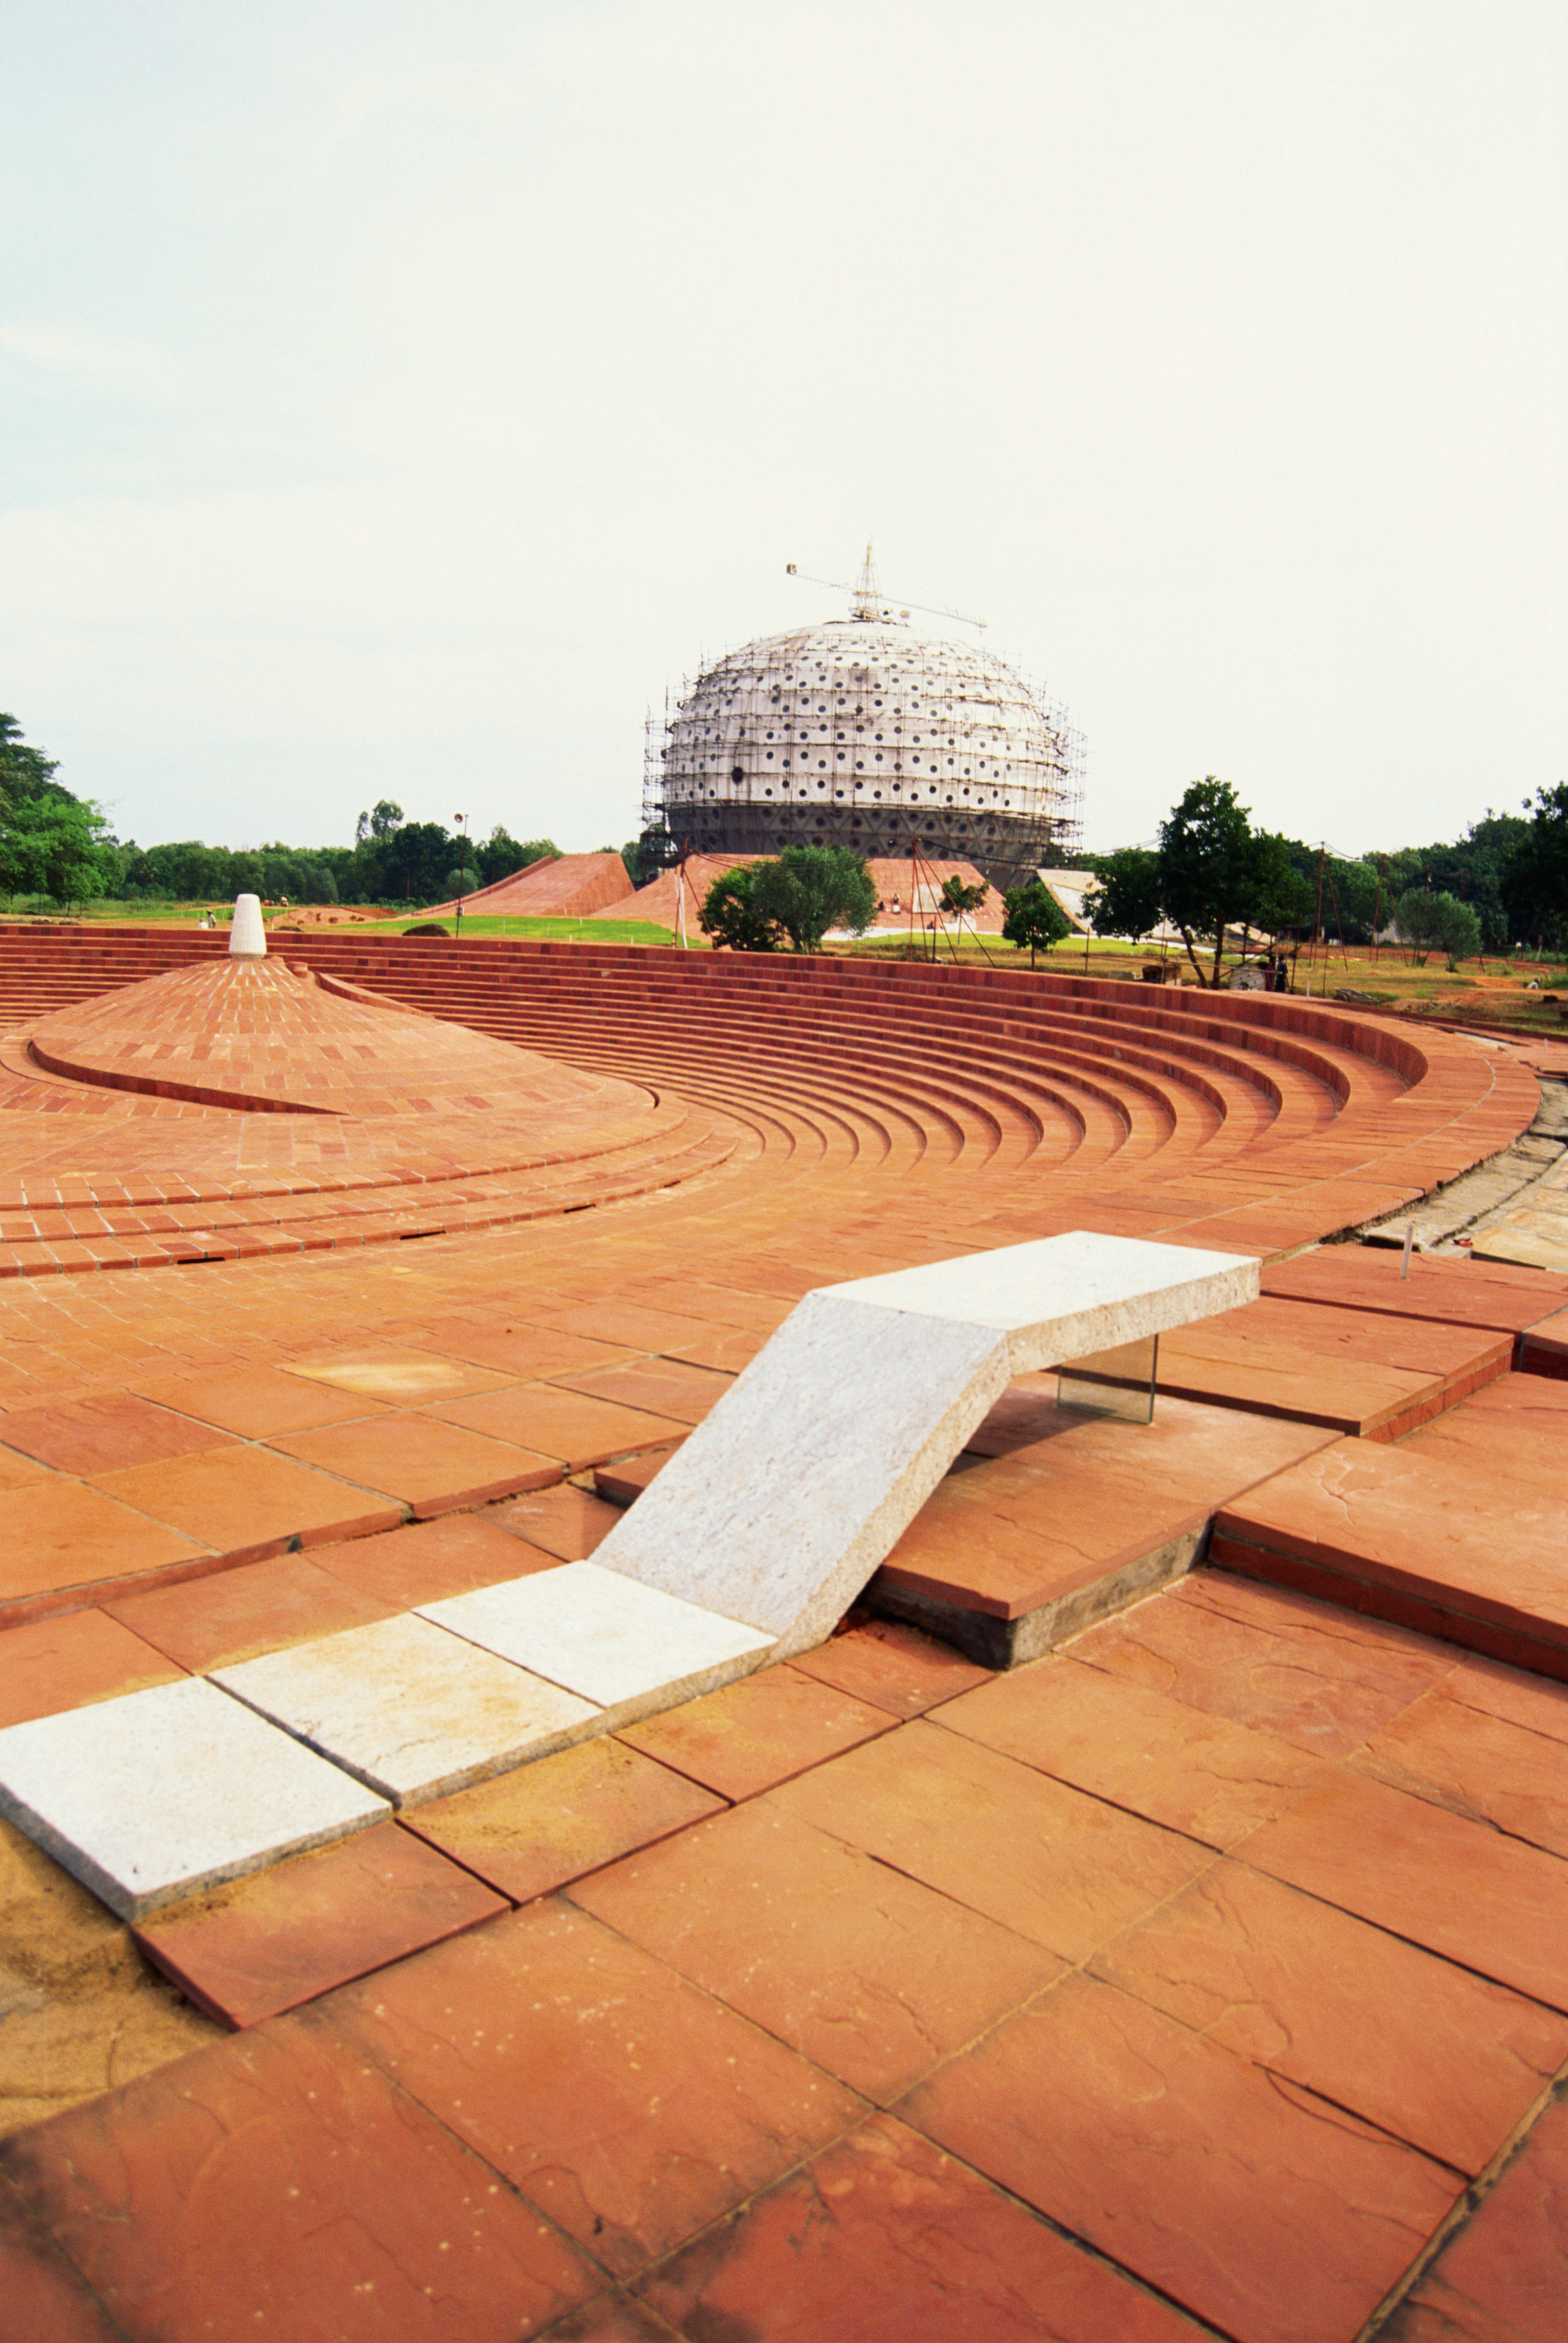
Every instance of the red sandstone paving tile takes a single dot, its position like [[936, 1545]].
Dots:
[[624, 1483], [730, 1305], [234, 1614], [1354, 1369], [433, 1467], [761, 1731], [283, 1936], [59, 1533], [563, 1520], [1277, 2216], [394, 1372], [669, 1387], [727, 1352], [1499, 1691], [1486, 1544], [1514, 1428], [629, 2106], [255, 1403], [522, 1353], [1416, 2045], [891, 1665], [45, 2300], [1191, 1771], [247, 1502], [611, 1320], [533, 1829], [611, 2319], [18, 1472], [1476, 1765], [102, 1431], [1462, 1293], [451, 1554], [1060, 1869], [1300, 1671], [50, 1665], [866, 1973], [885, 2239], [1546, 1348], [566, 1424], [278, 2183], [1455, 1886], [1501, 2279], [1069, 1498]]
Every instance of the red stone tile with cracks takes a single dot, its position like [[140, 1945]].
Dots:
[[630, 2108], [1271, 2213], [883, 2239], [361, 2214]]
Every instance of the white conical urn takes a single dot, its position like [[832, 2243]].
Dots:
[[248, 937]]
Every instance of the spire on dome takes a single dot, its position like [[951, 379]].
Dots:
[[867, 602]]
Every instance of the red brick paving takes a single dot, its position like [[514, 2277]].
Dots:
[[1303, 1866]]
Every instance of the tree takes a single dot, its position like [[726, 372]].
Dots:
[[647, 856], [51, 843], [26, 772], [730, 917], [501, 854], [1034, 918], [810, 888], [1126, 901], [1215, 870], [1438, 922], [380, 822], [1536, 881], [959, 899]]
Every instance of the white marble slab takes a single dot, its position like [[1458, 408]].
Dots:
[[412, 1711], [780, 1505], [631, 1648], [1063, 1297], [162, 1792]]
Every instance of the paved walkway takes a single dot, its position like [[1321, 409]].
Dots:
[[1206, 1975]]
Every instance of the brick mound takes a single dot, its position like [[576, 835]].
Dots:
[[263, 1036], [563, 887], [131, 1130]]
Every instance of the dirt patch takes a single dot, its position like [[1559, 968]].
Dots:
[[80, 2009]]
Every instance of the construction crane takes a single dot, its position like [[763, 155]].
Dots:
[[866, 596]]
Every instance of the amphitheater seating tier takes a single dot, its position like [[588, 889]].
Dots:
[[1241, 1120]]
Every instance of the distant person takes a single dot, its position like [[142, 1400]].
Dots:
[[1281, 974]]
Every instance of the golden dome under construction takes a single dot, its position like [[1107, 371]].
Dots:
[[863, 732]]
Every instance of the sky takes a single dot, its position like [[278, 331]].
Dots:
[[398, 398]]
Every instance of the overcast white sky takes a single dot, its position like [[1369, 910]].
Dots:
[[396, 396]]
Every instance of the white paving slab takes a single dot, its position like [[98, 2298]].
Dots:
[[780, 1505], [411, 1709], [162, 1792], [631, 1648]]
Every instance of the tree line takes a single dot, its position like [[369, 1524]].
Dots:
[[60, 848], [1504, 883]]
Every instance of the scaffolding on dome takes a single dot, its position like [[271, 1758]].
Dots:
[[744, 765]]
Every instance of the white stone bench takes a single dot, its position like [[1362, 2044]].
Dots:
[[778, 1507]]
